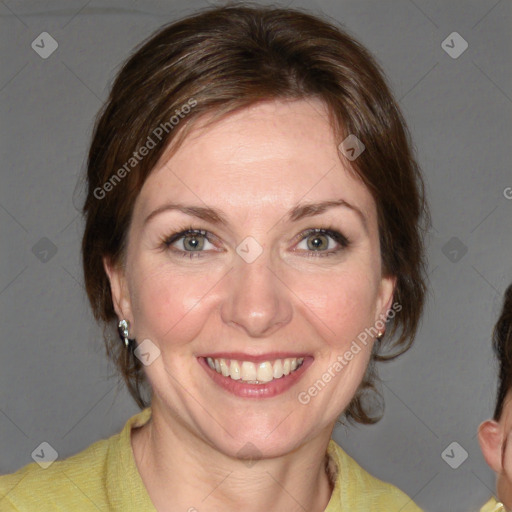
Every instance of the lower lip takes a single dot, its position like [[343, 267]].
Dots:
[[270, 389]]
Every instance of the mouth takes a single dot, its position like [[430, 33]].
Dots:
[[258, 377], [255, 373]]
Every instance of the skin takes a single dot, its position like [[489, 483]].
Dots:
[[495, 439], [255, 165]]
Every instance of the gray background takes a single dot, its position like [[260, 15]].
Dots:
[[55, 382]]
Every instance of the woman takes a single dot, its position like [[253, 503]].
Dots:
[[233, 145]]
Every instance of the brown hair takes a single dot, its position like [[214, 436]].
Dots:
[[222, 60], [502, 345]]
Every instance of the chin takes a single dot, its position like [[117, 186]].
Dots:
[[249, 441], [252, 448]]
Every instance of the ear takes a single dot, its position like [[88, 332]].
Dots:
[[119, 289], [385, 297], [490, 437]]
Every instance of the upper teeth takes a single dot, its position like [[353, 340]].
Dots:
[[254, 373]]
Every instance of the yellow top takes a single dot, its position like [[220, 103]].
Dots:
[[491, 506], [104, 477]]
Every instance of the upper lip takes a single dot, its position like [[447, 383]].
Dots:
[[240, 356]]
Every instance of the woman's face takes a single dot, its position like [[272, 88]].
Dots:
[[256, 286]]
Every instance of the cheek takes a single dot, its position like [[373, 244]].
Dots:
[[343, 303], [168, 306]]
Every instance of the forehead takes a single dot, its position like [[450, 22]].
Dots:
[[270, 155]]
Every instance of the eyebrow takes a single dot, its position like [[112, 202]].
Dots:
[[216, 216]]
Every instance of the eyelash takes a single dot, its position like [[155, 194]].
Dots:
[[329, 231]]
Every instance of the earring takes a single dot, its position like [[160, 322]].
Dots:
[[124, 333], [380, 335]]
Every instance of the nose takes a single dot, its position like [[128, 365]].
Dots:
[[257, 300]]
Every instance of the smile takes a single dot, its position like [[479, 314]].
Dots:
[[255, 373], [263, 376]]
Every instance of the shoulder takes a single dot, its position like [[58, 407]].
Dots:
[[64, 485], [89, 480], [364, 491], [493, 506]]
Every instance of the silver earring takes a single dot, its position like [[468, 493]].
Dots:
[[124, 332]]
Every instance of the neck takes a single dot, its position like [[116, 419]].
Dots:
[[183, 472]]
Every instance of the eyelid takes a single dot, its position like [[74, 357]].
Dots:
[[333, 233]]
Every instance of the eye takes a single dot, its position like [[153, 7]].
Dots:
[[188, 242], [323, 242], [193, 243]]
